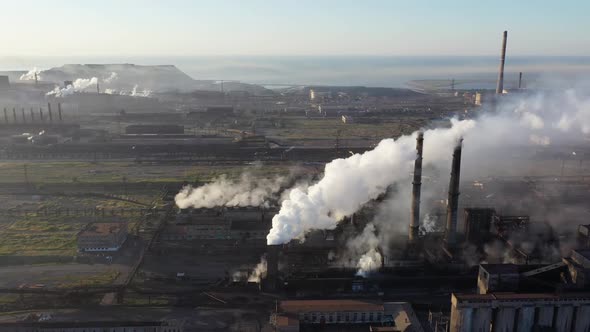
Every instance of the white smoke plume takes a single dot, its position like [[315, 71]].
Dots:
[[113, 77], [348, 184], [259, 271], [369, 262], [135, 92], [79, 85], [248, 190], [30, 75]]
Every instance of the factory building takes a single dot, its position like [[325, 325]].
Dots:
[[102, 237], [4, 82], [477, 223], [584, 236], [216, 224], [296, 315], [513, 297], [520, 312]]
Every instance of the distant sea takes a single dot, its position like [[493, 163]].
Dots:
[[383, 71]]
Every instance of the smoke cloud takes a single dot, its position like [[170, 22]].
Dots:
[[350, 183], [259, 271], [113, 77], [542, 119], [30, 75], [79, 85], [245, 191], [135, 92]]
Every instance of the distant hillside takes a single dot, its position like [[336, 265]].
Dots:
[[117, 77]]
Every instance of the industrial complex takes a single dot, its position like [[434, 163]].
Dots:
[[164, 203]]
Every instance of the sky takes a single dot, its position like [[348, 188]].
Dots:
[[291, 27]]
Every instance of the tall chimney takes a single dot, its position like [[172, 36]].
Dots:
[[59, 112], [520, 80], [32, 115], [5, 115], [23, 114], [36, 78], [41, 114], [500, 87], [49, 112], [14, 114], [272, 267], [415, 217], [453, 199]]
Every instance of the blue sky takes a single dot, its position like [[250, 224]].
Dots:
[[296, 27]]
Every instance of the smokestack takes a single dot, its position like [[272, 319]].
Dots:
[[14, 114], [453, 200], [59, 112], [272, 267], [41, 114], [23, 114], [415, 216], [36, 78], [49, 112], [520, 80], [32, 115], [500, 87], [5, 115]]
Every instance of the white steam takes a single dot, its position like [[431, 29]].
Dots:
[[135, 92], [30, 75], [350, 183], [113, 77], [369, 262], [79, 85], [259, 271], [245, 191]]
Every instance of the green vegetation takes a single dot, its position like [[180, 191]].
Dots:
[[38, 243], [99, 279], [107, 172], [327, 128]]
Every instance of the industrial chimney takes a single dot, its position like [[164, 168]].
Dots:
[[41, 114], [32, 116], [23, 114], [5, 115], [14, 114], [59, 112], [500, 87], [453, 199], [272, 268], [519, 80], [49, 112], [415, 217]]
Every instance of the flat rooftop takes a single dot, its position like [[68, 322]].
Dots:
[[521, 296]]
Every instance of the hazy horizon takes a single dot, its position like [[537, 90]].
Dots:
[[385, 71], [304, 28]]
